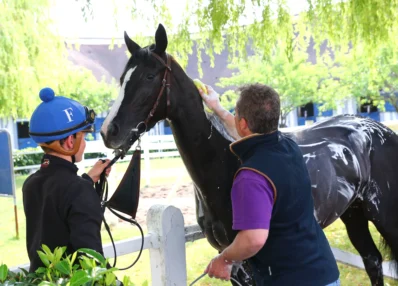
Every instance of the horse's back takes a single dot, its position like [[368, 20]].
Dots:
[[337, 155]]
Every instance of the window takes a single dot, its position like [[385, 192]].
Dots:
[[23, 129], [306, 110], [368, 107]]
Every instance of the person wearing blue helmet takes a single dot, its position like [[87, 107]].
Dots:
[[61, 208]]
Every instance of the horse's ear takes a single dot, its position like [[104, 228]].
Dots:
[[160, 40], [131, 45]]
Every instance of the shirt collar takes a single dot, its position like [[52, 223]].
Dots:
[[51, 161]]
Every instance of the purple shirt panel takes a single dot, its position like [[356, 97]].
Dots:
[[252, 198]]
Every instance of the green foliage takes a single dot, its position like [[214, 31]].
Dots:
[[364, 78], [89, 268], [296, 81], [233, 25], [94, 155], [23, 158], [81, 85], [367, 24], [30, 54], [33, 56]]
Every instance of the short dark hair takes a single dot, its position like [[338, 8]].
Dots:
[[259, 104]]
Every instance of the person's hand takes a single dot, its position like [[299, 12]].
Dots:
[[219, 268], [211, 99], [97, 169]]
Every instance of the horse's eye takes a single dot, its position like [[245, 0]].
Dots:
[[150, 77]]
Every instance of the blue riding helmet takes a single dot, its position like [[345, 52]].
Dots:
[[57, 117]]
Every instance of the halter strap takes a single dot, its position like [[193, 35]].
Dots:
[[166, 83]]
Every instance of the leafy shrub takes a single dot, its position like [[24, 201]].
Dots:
[[22, 159], [90, 268]]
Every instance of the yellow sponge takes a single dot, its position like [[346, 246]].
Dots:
[[201, 85]]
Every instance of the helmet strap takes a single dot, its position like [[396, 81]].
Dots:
[[56, 146]]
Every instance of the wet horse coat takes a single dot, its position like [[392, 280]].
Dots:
[[338, 156], [349, 158]]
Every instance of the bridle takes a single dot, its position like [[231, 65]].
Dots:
[[166, 83], [137, 132], [102, 185]]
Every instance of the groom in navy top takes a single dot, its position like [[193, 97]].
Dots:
[[273, 208]]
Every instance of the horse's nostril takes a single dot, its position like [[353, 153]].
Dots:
[[113, 129]]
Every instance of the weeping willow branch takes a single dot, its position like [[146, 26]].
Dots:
[[30, 54], [236, 24]]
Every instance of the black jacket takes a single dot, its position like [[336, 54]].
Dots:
[[61, 209]]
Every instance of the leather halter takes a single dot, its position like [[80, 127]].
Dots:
[[165, 84]]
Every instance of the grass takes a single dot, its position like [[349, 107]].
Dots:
[[198, 253]]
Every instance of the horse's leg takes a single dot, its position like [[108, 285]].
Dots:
[[209, 226], [381, 208], [243, 274], [200, 216], [358, 232]]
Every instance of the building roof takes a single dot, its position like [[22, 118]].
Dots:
[[95, 55], [109, 63]]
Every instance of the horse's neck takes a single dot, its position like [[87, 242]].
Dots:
[[200, 144], [191, 128]]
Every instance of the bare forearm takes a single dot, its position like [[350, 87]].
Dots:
[[245, 245], [228, 121]]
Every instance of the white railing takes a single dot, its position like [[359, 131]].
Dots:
[[167, 234], [154, 146], [166, 240]]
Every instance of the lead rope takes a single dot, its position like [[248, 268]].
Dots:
[[102, 189], [204, 274]]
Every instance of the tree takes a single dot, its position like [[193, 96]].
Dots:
[[30, 54], [371, 81], [220, 24], [33, 56], [81, 85], [296, 81]]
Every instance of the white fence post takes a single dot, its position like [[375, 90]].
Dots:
[[168, 262]]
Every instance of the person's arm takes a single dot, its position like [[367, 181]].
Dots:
[[97, 169], [245, 245], [252, 201], [212, 101]]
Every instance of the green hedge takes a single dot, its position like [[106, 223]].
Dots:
[[21, 159]]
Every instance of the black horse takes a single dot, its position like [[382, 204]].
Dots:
[[349, 158]]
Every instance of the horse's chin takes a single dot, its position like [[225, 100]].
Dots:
[[111, 143], [125, 145]]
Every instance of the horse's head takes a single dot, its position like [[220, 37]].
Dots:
[[144, 93]]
